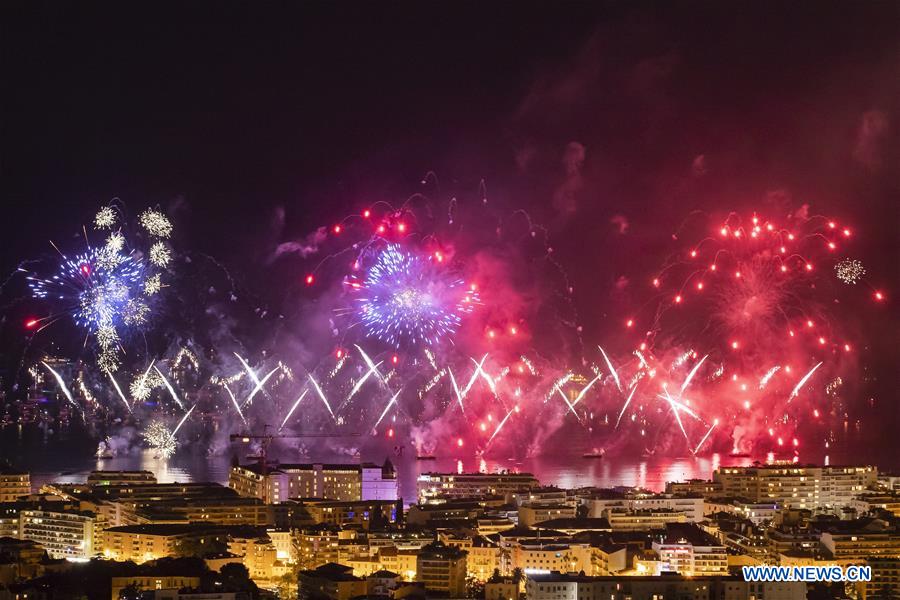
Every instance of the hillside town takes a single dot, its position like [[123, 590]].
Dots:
[[341, 531]]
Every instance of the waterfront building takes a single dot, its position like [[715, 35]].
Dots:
[[474, 485], [153, 583], [13, 484], [692, 505], [532, 514], [825, 489], [622, 519], [345, 482], [120, 478]]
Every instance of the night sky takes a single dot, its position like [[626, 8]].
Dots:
[[229, 114]]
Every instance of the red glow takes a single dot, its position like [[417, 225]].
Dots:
[[643, 345], [816, 412], [822, 341], [846, 233], [784, 268], [693, 253], [847, 347], [769, 226], [380, 229], [391, 432], [491, 333], [737, 274], [790, 236], [700, 285], [832, 224], [735, 345], [656, 283], [367, 213], [780, 442], [809, 266], [737, 233], [31, 323], [678, 299], [459, 442], [791, 333], [395, 359], [879, 296], [86, 269], [338, 353], [310, 279], [712, 267], [401, 227], [809, 323], [337, 229], [513, 330], [796, 442], [724, 231], [629, 323], [783, 249], [831, 245]]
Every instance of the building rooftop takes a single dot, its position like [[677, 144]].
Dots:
[[579, 523]]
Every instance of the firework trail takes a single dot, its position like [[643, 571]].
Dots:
[[625, 406], [170, 388], [293, 408], [796, 391], [62, 386], [705, 437], [690, 376], [611, 369], [259, 386], [322, 396], [119, 391], [386, 409], [236, 404]]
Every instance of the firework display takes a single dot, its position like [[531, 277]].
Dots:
[[406, 297], [429, 341], [107, 290]]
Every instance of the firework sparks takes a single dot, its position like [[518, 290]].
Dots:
[[850, 271], [160, 439], [156, 223], [105, 218], [407, 299], [160, 255]]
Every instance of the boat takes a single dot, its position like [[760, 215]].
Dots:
[[738, 455], [594, 454], [426, 457]]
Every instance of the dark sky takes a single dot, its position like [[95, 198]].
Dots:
[[224, 112]]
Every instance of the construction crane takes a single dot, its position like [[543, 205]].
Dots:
[[266, 438]]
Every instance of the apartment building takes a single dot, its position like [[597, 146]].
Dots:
[[474, 485], [795, 486]]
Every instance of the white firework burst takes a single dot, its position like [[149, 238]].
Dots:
[[850, 271], [156, 223], [160, 255], [105, 218], [114, 242], [152, 285]]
